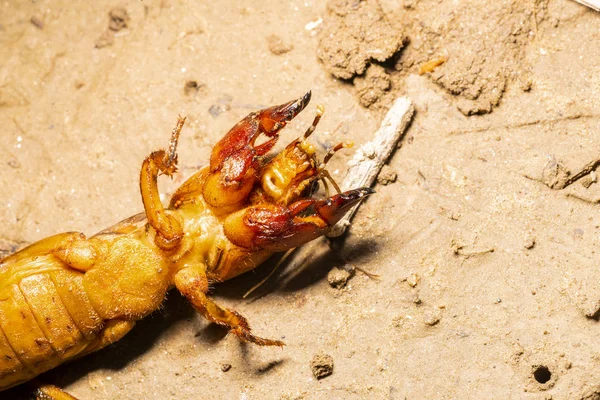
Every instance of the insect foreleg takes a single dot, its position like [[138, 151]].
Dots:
[[168, 226]]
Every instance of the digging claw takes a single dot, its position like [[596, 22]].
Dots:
[[273, 119], [279, 228], [334, 208], [234, 159]]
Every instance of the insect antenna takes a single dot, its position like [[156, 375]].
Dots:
[[259, 284]]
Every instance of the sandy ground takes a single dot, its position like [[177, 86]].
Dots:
[[485, 244]]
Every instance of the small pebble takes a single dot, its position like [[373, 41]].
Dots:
[[555, 175], [321, 365], [432, 317], [118, 19], [526, 85], [413, 280], [338, 277], [416, 299], [529, 243], [277, 46], [225, 367], [192, 87], [387, 175], [587, 181]]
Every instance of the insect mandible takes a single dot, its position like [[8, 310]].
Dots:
[[68, 295]]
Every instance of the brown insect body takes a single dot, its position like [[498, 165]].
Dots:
[[67, 295]]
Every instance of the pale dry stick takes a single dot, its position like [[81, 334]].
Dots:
[[593, 4], [364, 168], [371, 156]]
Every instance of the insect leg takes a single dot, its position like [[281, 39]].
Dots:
[[112, 332], [169, 229], [51, 392], [235, 158], [72, 248], [280, 228], [192, 283]]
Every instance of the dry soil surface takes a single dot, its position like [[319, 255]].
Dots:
[[486, 242]]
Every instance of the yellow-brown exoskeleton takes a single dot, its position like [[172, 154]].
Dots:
[[68, 295]]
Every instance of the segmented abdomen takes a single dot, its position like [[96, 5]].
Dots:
[[46, 318]]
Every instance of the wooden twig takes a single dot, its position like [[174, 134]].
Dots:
[[363, 170], [593, 4], [371, 156]]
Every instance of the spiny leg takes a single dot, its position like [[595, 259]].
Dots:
[[193, 284], [169, 229], [51, 392]]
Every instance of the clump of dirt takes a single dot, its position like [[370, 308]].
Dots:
[[387, 175], [225, 367], [356, 34], [555, 175], [118, 19], [321, 365], [339, 277], [481, 51], [482, 56], [374, 85]]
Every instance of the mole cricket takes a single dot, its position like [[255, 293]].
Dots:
[[68, 295]]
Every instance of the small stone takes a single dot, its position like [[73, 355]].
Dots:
[[432, 317], [555, 175], [456, 247], [321, 365], [119, 19], [192, 87], [413, 279], [338, 277], [587, 181], [416, 299], [387, 175], [277, 46], [529, 243], [526, 85], [225, 367]]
